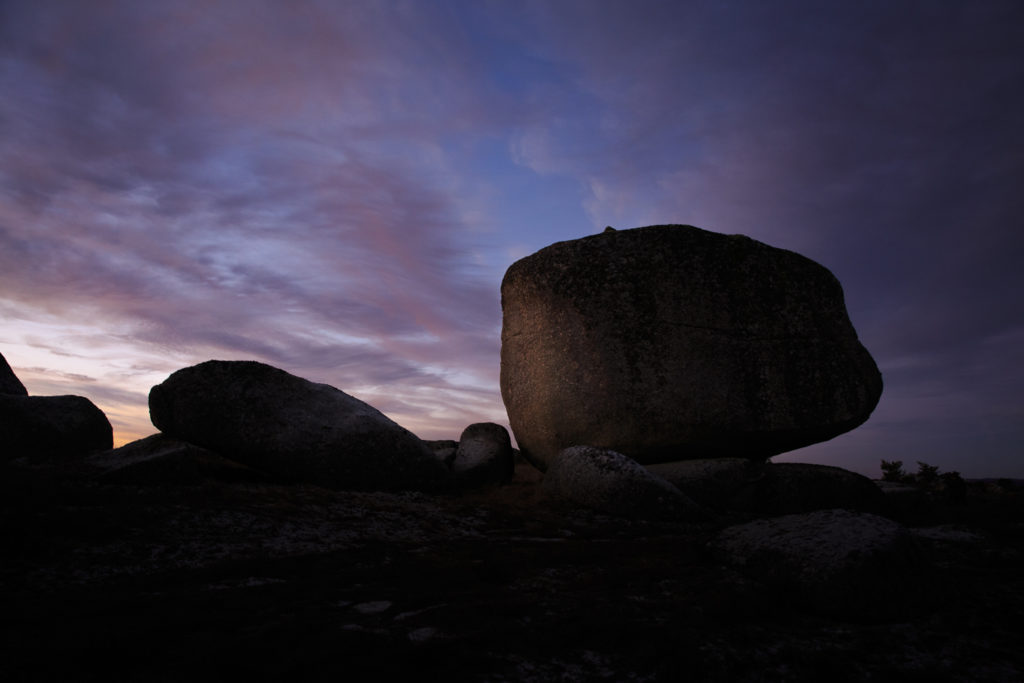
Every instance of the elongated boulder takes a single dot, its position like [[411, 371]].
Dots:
[[52, 426], [292, 428], [670, 342]]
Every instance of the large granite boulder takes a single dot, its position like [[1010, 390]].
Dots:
[[836, 562], [9, 382], [670, 342], [612, 483], [52, 426], [292, 428]]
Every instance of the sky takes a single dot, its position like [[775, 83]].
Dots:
[[337, 188]]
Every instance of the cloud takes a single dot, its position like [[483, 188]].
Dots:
[[244, 181], [337, 188]]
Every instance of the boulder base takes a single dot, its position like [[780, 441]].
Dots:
[[670, 342]]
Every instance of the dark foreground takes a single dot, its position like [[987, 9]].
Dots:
[[247, 581]]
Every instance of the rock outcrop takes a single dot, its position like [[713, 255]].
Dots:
[[610, 482], [292, 428], [834, 562], [52, 426], [484, 456], [9, 382], [670, 342]]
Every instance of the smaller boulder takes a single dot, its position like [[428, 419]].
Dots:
[[9, 382], [52, 426], [793, 487], [484, 456], [613, 483], [835, 562], [160, 459]]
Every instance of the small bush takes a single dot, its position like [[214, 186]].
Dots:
[[927, 475], [892, 470]]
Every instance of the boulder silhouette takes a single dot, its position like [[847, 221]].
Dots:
[[670, 342], [292, 428], [52, 426], [9, 382]]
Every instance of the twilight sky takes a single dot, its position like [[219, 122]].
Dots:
[[337, 188]]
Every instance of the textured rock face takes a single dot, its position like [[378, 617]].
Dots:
[[9, 382], [613, 483], [833, 561], [52, 425], [670, 342], [287, 426]]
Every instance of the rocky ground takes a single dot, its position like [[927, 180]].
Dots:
[[252, 581]]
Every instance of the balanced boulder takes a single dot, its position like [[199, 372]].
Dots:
[[670, 342], [292, 428]]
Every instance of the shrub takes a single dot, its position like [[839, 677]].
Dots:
[[927, 475], [892, 470]]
